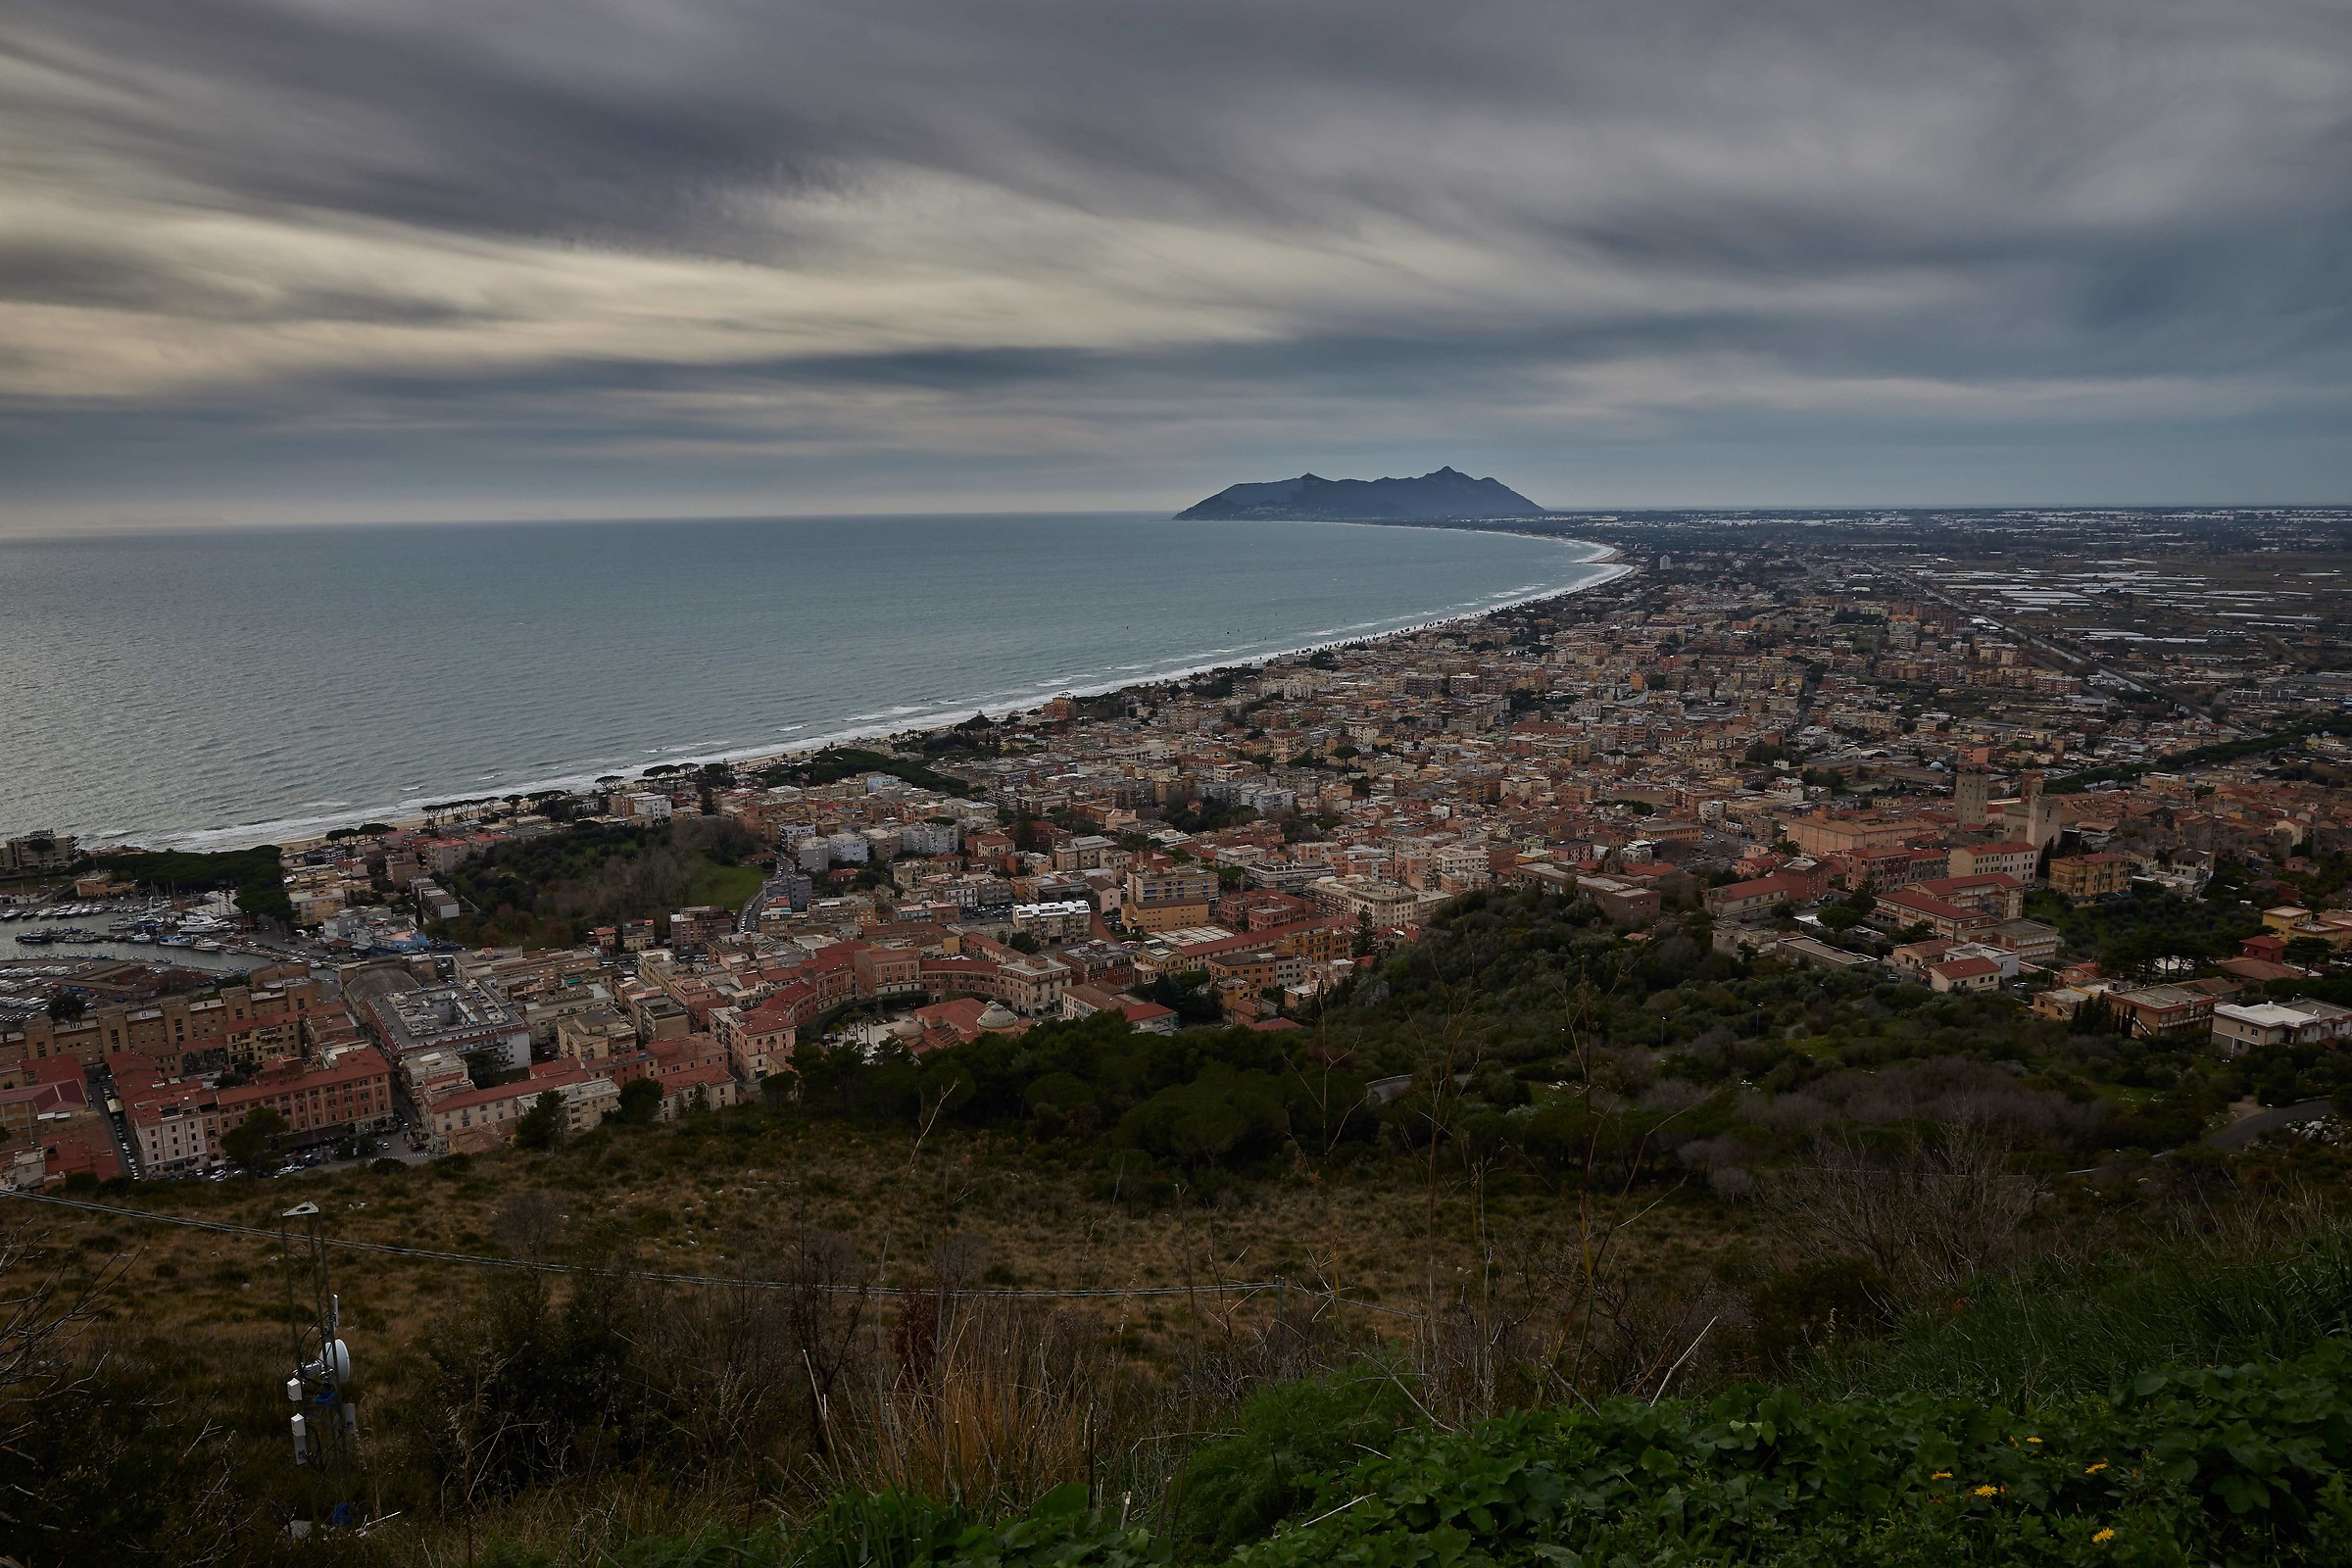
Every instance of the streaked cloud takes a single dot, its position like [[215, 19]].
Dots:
[[353, 258]]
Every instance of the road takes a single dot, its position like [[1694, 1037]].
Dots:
[[127, 1148], [2239, 1133], [748, 920]]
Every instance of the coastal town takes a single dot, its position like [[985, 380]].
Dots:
[[1964, 775]]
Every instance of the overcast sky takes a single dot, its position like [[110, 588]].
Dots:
[[277, 259]]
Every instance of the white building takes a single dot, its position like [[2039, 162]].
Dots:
[[172, 1137], [2236, 1026], [1058, 920], [930, 838]]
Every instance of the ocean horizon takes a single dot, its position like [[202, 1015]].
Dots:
[[215, 688]]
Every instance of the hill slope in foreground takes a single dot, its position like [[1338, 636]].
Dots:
[[1443, 495]]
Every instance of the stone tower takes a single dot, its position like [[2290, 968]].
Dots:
[[2041, 813], [1968, 797]]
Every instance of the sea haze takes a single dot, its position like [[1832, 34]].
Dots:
[[211, 689]]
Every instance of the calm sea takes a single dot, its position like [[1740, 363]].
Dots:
[[211, 689]]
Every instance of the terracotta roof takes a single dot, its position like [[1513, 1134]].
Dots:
[[353, 1066], [538, 1083]]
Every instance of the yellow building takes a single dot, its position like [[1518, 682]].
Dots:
[[2083, 877], [1165, 915]]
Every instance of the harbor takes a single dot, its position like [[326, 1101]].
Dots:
[[185, 933]]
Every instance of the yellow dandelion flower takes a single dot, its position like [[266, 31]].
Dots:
[[2033, 1439], [1941, 1475], [2103, 1538], [2094, 1469], [1989, 1492]]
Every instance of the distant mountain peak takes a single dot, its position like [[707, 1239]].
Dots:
[[1444, 495]]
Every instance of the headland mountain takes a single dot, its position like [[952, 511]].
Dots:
[[1444, 495]]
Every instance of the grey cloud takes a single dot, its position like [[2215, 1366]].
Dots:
[[2037, 193], [51, 273], [650, 116], [91, 275], [377, 109]]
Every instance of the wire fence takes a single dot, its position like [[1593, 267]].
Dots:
[[1244, 1289]]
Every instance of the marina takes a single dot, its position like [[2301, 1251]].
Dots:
[[200, 934]]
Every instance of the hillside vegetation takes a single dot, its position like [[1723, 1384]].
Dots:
[[836, 763], [1642, 1254], [553, 889], [1542, 1047]]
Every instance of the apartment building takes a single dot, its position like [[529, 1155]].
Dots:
[[1152, 916], [37, 855], [1627, 904], [1171, 884], [693, 930], [1994, 893], [177, 1123], [1061, 920], [1758, 896], [2014, 860], [180, 1032], [483, 1119], [888, 972], [1883, 869], [168, 1124], [595, 1035], [1462, 867], [930, 838], [1031, 986], [1909, 906], [2084, 877], [1357, 896], [1317, 941], [758, 1041]]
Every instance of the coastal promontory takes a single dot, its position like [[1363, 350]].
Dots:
[[1444, 495]]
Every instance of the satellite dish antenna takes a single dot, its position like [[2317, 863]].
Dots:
[[332, 1366]]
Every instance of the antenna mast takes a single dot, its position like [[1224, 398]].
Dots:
[[325, 1421]]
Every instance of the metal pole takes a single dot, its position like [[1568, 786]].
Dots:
[[325, 1425]]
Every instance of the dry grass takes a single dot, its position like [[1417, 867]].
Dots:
[[982, 1402], [1021, 1222], [954, 1392]]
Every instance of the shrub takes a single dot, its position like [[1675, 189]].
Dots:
[[2243, 1464], [1237, 1489]]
